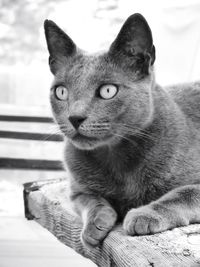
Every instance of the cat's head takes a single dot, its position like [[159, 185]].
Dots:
[[99, 99]]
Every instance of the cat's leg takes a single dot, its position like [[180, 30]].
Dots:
[[97, 215], [179, 207]]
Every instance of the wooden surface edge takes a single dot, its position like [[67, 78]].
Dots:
[[49, 206]]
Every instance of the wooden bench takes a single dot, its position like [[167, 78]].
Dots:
[[26, 163], [46, 202]]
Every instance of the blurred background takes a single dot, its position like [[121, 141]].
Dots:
[[24, 92]]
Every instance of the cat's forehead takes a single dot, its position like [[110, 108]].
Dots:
[[88, 64], [90, 69], [76, 66]]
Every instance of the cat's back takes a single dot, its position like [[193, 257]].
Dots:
[[187, 96]]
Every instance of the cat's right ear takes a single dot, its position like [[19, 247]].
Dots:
[[133, 45], [59, 44]]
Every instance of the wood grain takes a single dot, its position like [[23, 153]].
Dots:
[[179, 247], [31, 136], [22, 118], [31, 164]]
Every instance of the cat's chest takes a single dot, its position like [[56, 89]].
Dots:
[[101, 179], [124, 188], [123, 191]]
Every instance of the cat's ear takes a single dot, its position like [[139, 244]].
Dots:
[[59, 44], [135, 42]]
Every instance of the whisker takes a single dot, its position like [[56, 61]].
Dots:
[[137, 131], [126, 138], [130, 141], [53, 132]]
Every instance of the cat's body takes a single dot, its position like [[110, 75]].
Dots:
[[132, 147], [166, 156]]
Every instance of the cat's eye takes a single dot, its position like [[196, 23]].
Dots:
[[108, 91], [61, 92]]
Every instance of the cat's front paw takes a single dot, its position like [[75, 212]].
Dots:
[[98, 224], [145, 220]]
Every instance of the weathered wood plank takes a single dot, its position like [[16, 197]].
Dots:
[[48, 204], [31, 136], [33, 164], [21, 118]]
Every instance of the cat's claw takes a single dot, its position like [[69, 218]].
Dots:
[[98, 226], [143, 221]]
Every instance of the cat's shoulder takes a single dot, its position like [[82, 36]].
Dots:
[[187, 96], [181, 92]]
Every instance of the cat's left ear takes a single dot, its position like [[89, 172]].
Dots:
[[59, 44], [134, 44]]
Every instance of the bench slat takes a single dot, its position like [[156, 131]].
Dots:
[[31, 164], [31, 136], [20, 118]]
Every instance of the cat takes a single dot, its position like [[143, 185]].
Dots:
[[132, 147]]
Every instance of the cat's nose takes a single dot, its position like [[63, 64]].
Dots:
[[76, 121]]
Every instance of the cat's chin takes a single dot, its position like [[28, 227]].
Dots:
[[86, 143], [90, 145]]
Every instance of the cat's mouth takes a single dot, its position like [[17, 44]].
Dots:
[[80, 137], [82, 141]]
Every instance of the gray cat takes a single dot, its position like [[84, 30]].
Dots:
[[133, 147]]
